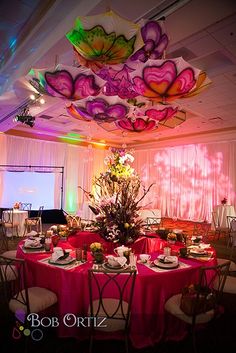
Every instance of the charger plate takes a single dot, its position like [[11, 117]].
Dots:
[[166, 266]]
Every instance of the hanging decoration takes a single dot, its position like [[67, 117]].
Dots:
[[102, 109], [66, 82], [168, 80], [105, 39], [155, 42]]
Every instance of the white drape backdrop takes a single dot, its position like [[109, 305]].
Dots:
[[189, 180], [80, 165]]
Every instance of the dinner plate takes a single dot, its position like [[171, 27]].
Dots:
[[198, 253], [33, 247], [62, 262], [106, 266], [166, 266]]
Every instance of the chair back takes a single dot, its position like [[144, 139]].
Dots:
[[24, 206], [7, 217], [214, 278], [73, 222], [40, 211], [13, 290], [231, 223], [111, 295], [154, 221]]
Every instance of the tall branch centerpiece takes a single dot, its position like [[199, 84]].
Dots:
[[116, 197]]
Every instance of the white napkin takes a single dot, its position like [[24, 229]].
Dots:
[[204, 246], [168, 258], [32, 233], [32, 243], [121, 260], [57, 254]]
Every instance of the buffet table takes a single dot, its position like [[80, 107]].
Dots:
[[153, 287]]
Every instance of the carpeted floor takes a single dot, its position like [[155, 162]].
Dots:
[[218, 337]]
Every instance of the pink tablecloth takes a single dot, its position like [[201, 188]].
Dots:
[[152, 289]]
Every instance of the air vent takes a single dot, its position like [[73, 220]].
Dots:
[[184, 52], [46, 117]]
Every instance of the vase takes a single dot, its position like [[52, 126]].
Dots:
[[98, 257]]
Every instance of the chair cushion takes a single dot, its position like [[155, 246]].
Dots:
[[232, 266], [11, 254], [110, 304], [172, 306], [230, 285], [39, 300]]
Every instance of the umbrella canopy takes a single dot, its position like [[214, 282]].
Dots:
[[155, 42], [105, 39], [66, 82], [168, 80], [101, 109]]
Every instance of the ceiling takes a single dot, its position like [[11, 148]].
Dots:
[[33, 35]]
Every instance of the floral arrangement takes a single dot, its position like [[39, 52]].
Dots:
[[116, 198], [96, 247], [171, 236], [224, 201], [60, 229], [17, 205]]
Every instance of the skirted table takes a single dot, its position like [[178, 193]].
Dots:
[[149, 323]]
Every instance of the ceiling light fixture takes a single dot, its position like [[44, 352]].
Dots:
[[24, 117]]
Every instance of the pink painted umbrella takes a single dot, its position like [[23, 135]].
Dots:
[[168, 80], [66, 82]]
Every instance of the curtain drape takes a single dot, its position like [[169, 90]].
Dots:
[[80, 164], [188, 180]]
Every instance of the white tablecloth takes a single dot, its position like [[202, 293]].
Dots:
[[222, 211], [19, 218]]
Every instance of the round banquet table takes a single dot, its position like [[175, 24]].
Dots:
[[149, 323]]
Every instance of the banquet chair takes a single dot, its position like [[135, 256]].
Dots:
[[150, 221], [18, 296], [111, 296], [34, 223], [218, 229], [24, 206], [214, 278], [10, 226], [232, 231], [73, 222]]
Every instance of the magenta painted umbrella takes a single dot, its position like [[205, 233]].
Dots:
[[168, 80], [66, 82]]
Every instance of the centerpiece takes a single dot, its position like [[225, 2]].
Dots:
[[97, 252], [224, 201], [116, 198]]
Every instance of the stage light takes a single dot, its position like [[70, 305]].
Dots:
[[25, 118]]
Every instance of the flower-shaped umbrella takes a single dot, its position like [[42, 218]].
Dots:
[[66, 82], [168, 80], [105, 39], [149, 118], [101, 109], [155, 42], [118, 81]]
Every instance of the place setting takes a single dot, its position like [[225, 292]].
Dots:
[[162, 262], [61, 258]]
